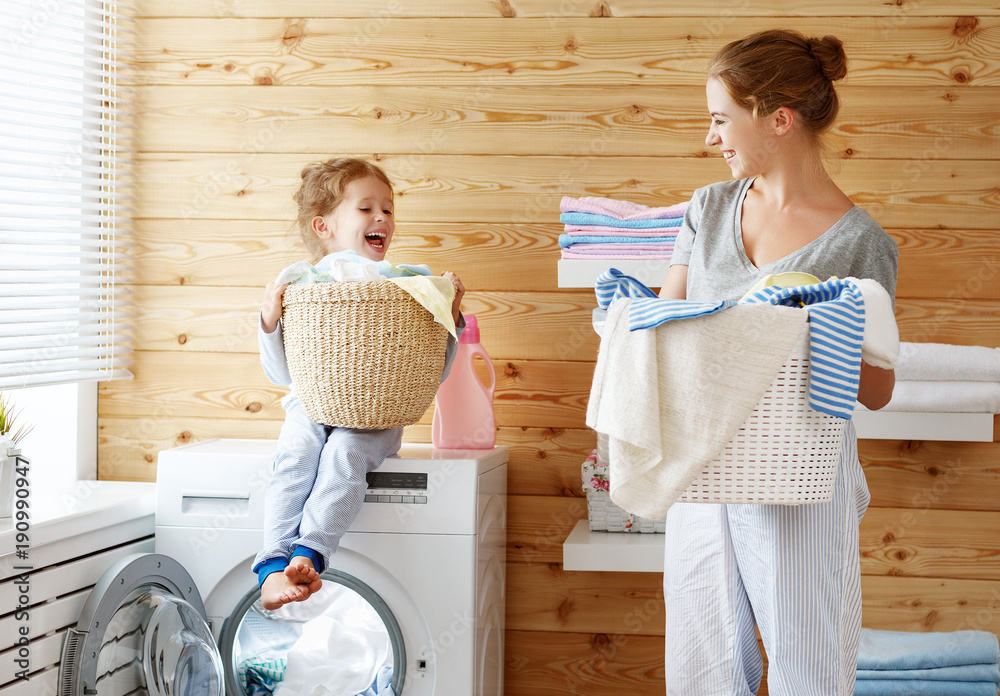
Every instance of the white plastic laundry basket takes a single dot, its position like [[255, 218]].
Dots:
[[785, 453]]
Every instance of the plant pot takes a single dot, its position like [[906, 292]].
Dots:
[[8, 463]]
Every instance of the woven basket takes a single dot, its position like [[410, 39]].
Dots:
[[362, 354], [785, 453], [605, 516]]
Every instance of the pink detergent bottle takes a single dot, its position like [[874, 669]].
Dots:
[[463, 407]]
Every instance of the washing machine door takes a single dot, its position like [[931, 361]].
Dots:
[[343, 640], [143, 632]]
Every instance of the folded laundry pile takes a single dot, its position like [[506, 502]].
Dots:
[[938, 377], [899, 663], [604, 228]]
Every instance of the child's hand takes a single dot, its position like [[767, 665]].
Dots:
[[459, 293], [271, 312]]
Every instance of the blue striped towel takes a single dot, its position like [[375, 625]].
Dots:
[[836, 328], [608, 221]]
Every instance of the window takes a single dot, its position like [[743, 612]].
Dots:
[[64, 179], [65, 185]]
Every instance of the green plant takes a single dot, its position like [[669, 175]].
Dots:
[[8, 419]]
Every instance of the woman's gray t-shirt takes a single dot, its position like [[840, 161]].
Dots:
[[710, 243]]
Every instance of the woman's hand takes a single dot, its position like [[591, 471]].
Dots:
[[271, 312], [459, 293]]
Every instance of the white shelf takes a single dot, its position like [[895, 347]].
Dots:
[[582, 273], [945, 427], [643, 553], [628, 552]]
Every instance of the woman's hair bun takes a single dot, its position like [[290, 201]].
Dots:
[[829, 55]]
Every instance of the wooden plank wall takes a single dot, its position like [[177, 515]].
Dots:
[[485, 113]]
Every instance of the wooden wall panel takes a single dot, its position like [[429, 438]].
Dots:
[[485, 113], [931, 122], [885, 14], [496, 188], [914, 51]]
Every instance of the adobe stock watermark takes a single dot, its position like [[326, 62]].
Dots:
[[608, 648], [555, 532], [218, 182]]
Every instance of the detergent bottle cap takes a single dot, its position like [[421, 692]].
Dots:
[[471, 333]]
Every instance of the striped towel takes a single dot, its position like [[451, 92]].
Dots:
[[604, 220], [836, 322]]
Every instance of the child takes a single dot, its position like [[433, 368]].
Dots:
[[345, 210]]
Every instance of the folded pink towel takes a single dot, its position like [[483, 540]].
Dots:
[[613, 254], [623, 210]]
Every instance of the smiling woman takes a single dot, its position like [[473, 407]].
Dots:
[[792, 571]]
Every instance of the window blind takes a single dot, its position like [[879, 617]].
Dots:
[[65, 192]]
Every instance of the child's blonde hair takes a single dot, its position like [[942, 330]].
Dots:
[[322, 190]]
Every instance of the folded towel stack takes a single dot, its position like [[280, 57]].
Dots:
[[604, 228], [897, 663], [937, 377]]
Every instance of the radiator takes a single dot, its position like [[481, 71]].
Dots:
[[46, 600]]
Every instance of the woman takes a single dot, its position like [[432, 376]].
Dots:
[[793, 571]]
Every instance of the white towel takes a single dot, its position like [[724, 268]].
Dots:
[[339, 652], [668, 400], [880, 346], [941, 361], [944, 397]]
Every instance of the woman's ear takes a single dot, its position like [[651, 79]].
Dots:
[[782, 120]]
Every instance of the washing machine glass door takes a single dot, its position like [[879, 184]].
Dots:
[[344, 640], [142, 632]]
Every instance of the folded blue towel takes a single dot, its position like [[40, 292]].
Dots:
[[566, 239], [971, 673], [919, 687], [608, 221], [899, 650]]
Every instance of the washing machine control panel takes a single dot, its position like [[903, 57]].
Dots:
[[397, 487]]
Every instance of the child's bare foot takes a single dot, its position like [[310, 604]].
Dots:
[[296, 583]]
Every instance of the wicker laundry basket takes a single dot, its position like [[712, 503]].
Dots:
[[785, 453], [604, 515], [362, 354]]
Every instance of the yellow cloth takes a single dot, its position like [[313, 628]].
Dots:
[[789, 279], [435, 294]]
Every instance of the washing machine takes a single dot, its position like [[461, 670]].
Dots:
[[411, 605]]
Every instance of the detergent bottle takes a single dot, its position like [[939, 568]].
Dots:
[[463, 407]]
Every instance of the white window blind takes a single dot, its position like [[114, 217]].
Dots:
[[65, 192]]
